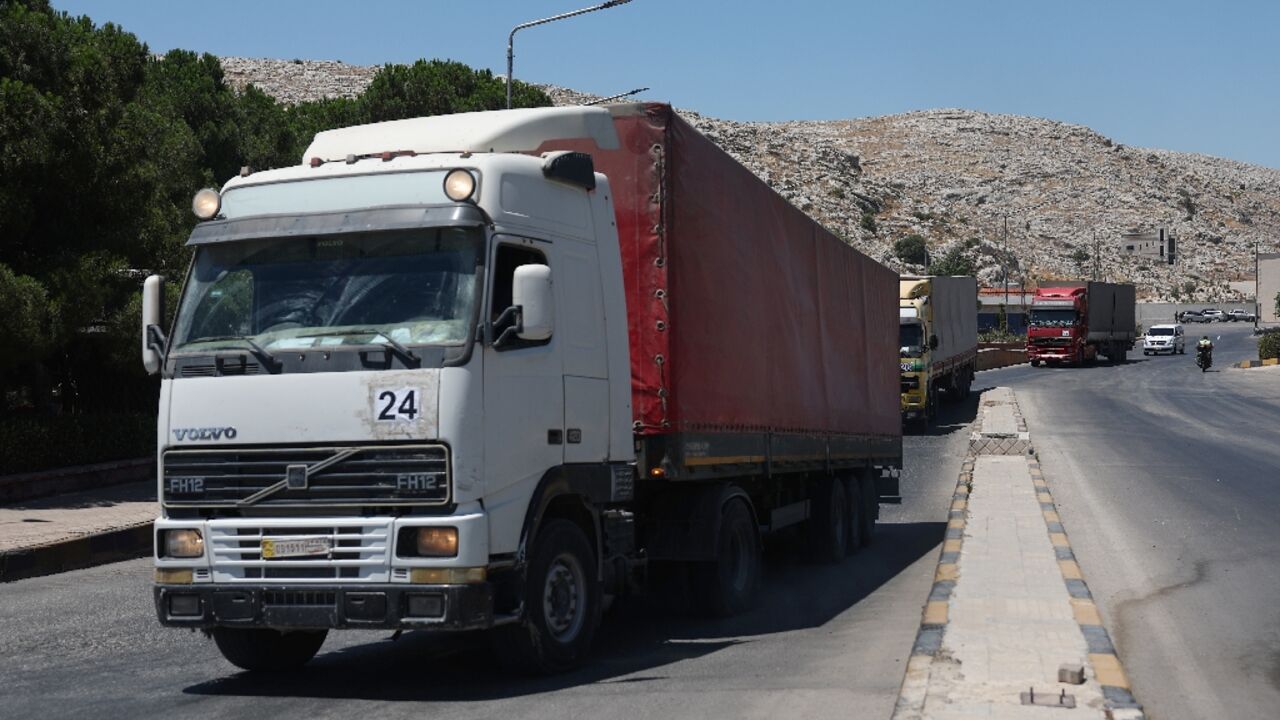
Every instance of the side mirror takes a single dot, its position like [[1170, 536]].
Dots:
[[531, 291], [933, 342], [153, 339]]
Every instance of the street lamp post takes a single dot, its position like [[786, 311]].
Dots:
[[511, 54]]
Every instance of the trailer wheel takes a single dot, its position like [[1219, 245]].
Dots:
[[857, 513], [265, 650], [731, 583], [829, 527], [562, 604], [870, 499]]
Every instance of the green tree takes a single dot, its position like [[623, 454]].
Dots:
[[911, 249], [954, 262]]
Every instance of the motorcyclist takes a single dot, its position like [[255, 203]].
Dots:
[[1204, 353]]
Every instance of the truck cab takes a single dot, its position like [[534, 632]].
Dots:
[[1056, 329], [386, 365]]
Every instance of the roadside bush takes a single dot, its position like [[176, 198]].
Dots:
[[28, 444], [911, 249], [997, 335], [1269, 345]]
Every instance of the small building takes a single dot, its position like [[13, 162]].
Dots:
[[1268, 287], [1016, 301], [1157, 244]]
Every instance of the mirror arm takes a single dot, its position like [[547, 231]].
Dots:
[[156, 339], [513, 322]]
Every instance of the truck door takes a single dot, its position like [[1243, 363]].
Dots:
[[523, 396], [586, 367]]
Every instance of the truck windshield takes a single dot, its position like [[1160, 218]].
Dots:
[[910, 337], [414, 287], [1053, 317]]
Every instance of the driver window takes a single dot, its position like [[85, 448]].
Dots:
[[505, 262]]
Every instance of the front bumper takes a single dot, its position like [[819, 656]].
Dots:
[[294, 607]]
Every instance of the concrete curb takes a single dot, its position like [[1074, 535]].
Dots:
[[27, 486], [933, 622], [1120, 703], [76, 553], [1257, 363], [1102, 657]]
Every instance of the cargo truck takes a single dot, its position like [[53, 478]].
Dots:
[[1074, 323], [938, 339], [483, 371]]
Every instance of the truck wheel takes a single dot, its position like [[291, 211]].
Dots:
[[829, 527], [265, 650], [857, 514], [731, 583], [1035, 363], [562, 604], [870, 500]]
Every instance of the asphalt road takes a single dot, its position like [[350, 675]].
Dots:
[[828, 641], [1168, 482]]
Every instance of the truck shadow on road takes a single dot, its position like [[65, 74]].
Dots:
[[636, 641]]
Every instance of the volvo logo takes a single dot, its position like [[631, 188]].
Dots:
[[209, 433]]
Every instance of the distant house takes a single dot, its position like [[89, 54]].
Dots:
[[1015, 302], [1157, 244]]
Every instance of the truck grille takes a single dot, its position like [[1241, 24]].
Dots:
[[361, 551], [307, 477], [1052, 342]]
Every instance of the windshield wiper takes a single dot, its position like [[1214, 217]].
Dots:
[[387, 340], [257, 349]]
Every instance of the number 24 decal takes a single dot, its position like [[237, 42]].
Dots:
[[402, 404]]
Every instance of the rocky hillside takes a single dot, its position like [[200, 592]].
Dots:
[[959, 177]]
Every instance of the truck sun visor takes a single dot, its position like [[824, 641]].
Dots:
[[332, 223]]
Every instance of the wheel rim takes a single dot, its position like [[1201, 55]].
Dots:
[[563, 597]]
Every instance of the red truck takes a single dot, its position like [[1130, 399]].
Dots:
[[1075, 322]]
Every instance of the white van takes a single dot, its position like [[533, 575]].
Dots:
[[1164, 338]]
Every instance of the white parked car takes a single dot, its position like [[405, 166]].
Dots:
[[1214, 315], [1165, 338]]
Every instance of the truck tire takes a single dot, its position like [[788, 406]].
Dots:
[[265, 650], [562, 604], [852, 491], [870, 500], [731, 583], [829, 526]]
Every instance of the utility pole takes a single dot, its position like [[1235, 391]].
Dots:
[[1257, 301], [1096, 259], [511, 39], [1004, 259]]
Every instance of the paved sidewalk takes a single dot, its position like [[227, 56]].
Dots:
[[63, 532], [1009, 608]]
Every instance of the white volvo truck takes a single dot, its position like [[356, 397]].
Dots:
[[398, 390]]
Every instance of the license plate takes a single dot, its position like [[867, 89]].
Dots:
[[274, 548]]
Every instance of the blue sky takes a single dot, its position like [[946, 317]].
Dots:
[[1192, 76]]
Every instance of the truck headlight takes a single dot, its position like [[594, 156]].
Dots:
[[428, 542], [459, 185], [183, 544]]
